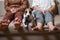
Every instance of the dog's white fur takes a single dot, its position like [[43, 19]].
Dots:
[[24, 18]]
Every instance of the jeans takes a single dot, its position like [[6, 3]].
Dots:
[[43, 18]]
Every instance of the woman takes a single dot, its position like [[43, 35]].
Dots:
[[43, 13], [14, 11]]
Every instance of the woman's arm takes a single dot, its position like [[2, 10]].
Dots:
[[24, 5]]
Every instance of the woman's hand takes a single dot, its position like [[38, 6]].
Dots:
[[44, 11], [13, 10], [36, 8]]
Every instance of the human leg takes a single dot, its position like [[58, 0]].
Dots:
[[18, 20], [49, 20], [5, 21], [39, 20]]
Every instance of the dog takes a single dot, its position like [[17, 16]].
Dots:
[[28, 18]]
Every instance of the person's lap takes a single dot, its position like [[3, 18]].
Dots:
[[46, 17], [8, 17], [43, 18]]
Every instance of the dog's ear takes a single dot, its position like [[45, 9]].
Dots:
[[31, 9]]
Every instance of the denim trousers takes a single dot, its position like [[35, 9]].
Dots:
[[43, 18]]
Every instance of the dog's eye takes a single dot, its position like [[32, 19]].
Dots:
[[25, 11]]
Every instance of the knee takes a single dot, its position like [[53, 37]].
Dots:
[[4, 25], [5, 22], [17, 21]]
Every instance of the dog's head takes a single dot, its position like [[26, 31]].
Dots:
[[28, 13], [28, 10]]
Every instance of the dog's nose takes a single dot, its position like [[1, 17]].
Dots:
[[29, 11], [28, 16]]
